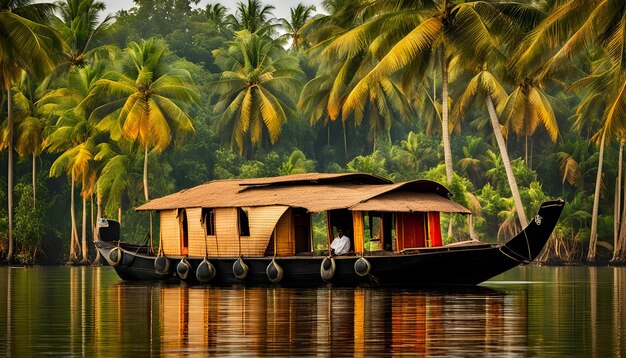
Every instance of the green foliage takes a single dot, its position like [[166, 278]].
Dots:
[[296, 163], [30, 223], [372, 164]]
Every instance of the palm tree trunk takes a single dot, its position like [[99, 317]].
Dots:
[[145, 190], [497, 131], [85, 251], [445, 131], [619, 248], [345, 138], [74, 235], [10, 169], [593, 238], [618, 196], [34, 180], [96, 231], [145, 173]]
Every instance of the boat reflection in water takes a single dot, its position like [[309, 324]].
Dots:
[[282, 321]]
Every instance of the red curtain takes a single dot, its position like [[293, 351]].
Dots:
[[434, 229]]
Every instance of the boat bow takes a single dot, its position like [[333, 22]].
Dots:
[[527, 245]]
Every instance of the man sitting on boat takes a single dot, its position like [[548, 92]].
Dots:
[[341, 244]]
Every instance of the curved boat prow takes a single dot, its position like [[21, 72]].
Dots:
[[527, 245]]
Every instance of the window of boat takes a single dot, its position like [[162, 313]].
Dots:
[[379, 231], [244, 226], [208, 221], [374, 231]]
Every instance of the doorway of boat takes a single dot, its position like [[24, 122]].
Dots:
[[341, 218]]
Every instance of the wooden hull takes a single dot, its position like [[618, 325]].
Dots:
[[468, 264]]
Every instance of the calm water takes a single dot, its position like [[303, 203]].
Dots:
[[530, 311]]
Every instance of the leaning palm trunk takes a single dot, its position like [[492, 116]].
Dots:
[[593, 238], [445, 131], [619, 247], [85, 252], [10, 169], [497, 131]]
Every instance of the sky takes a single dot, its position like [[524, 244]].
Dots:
[[282, 6]]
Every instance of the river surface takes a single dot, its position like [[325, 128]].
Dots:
[[528, 311]]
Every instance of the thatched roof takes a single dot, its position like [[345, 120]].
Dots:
[[314, 192]]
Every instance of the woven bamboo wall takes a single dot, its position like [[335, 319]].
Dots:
[[227, 232], [285, 243], [196, 232], [263, 220], [170, 232], [357, 222]]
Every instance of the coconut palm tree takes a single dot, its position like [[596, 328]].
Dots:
[[527, 107], [145, 100], [471, 163], [27, 44], [79, 162], [120, 175], [81, 28], [485, 85], [408, 37], [296, 163], [76, 137], [252, 16], [255, 91], [217, 14], [299, 15], [32, 121], [570, 28]]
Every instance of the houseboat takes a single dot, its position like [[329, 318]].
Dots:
[[267, 231]]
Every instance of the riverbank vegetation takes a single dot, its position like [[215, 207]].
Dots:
[[508, 103]]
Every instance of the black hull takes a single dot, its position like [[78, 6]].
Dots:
[[448, 265]]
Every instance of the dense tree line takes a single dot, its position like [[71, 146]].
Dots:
[[508, 103]]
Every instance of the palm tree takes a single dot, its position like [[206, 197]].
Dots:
[[77, 160], [144, 100], [407, 38], [119, 175], [27, 44], [255, 90], [525, 109], [80, 27], [299, 15], [571, 28], [485, 85], [217, 14], [76, 137], [473, 153], [296, 163], [32, 121], [252, 16]]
